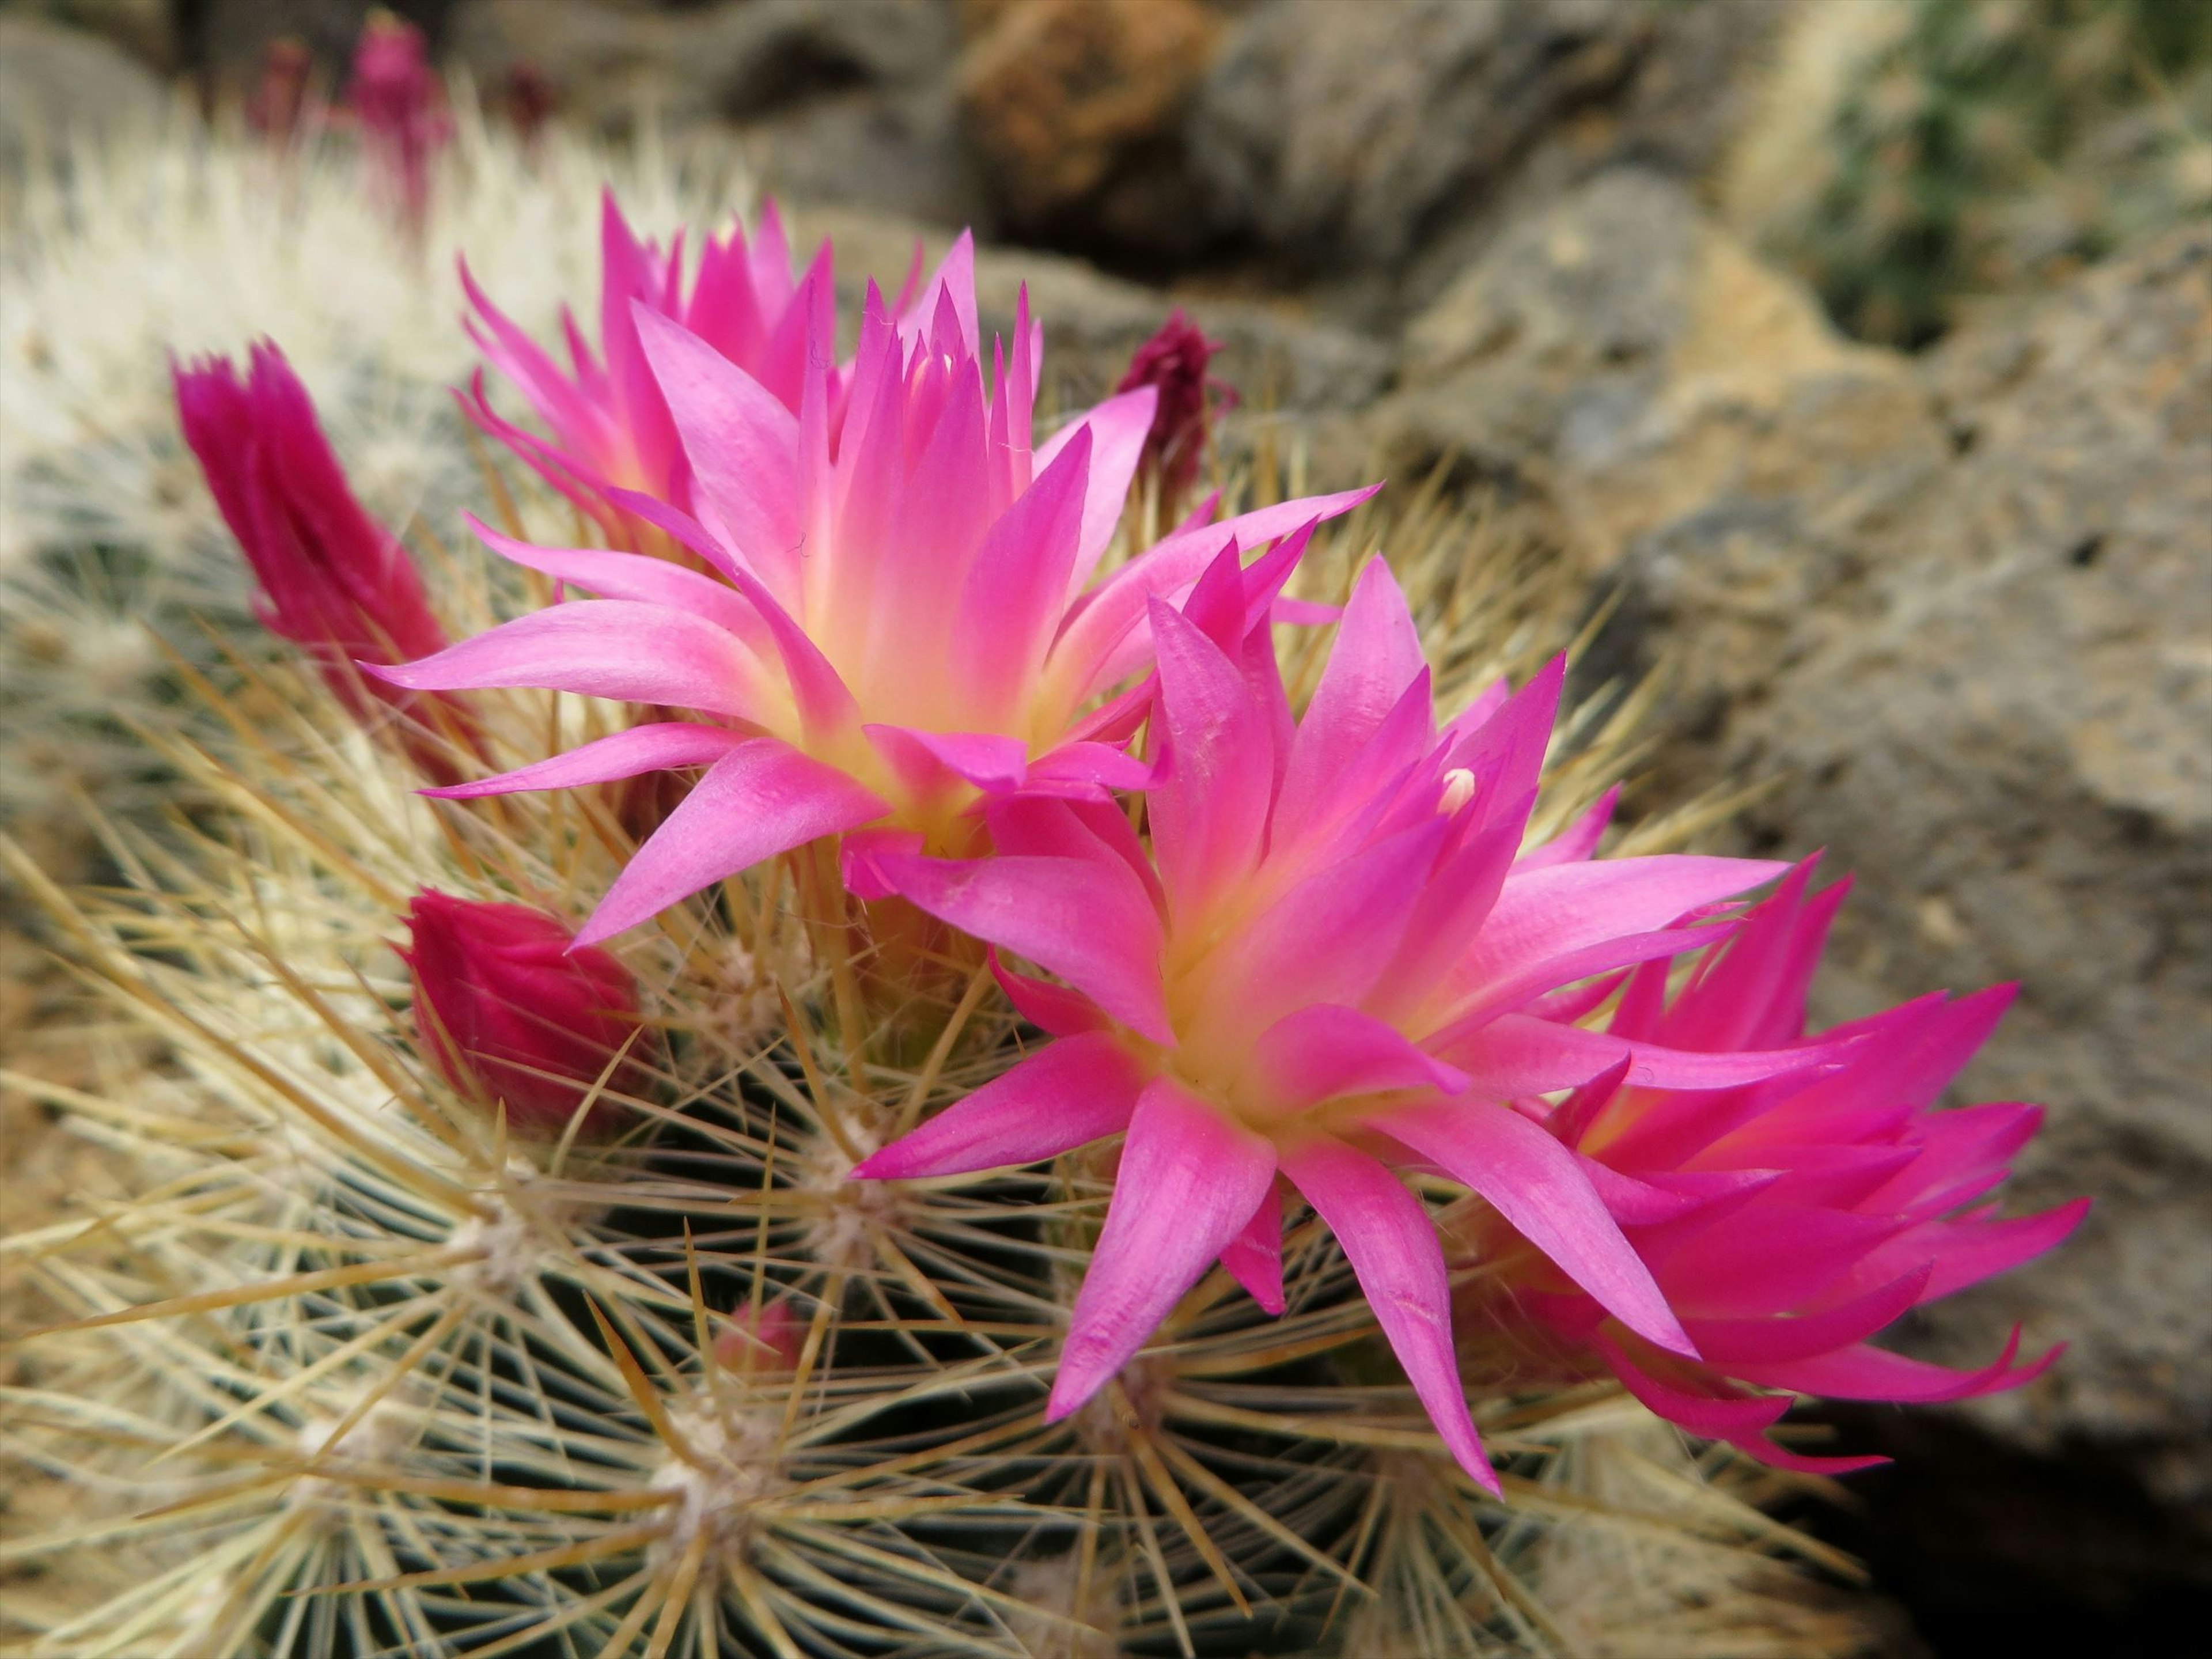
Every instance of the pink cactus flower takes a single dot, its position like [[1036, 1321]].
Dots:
[[1176, 360], [892, 624], [1336, 959], [508, 1012], [396, 97], [610, 426], [332, 579], [1786, 1222]]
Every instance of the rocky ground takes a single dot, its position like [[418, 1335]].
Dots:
[[1954, 608]]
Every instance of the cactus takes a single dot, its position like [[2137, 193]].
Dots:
[[356, 1366], [1951, 150]]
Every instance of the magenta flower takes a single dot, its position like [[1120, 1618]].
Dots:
[[610, 426], [899, 621], [1175, 360], [396, 97], [508, 1012], [1789, 1221], [1336, 960], [332, 579]]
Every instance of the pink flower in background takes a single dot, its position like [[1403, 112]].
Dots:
[[609, 421], [396, 98], [509, 1013], [332, 579], [1336, 960], [277, 107], [897, 618], [1789, 1221], [1175, 360]]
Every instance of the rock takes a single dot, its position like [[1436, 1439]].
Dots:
[[840, 101], [57, 83], [2011, 746], [1959, 613], [1622, 354], [1353, 137], [1076, 109], [1282, 362]]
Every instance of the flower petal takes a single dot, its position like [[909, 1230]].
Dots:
[[761, 798], [603, 648], [1538, 1186], [1068, 1093], [1255, 1256], [658, 746], [1088, 920], [1327, 1049], [1188, 1183], [1391, 1244]]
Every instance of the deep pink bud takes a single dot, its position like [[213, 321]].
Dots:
[[1175, 360], [332, 579], [769, 1341], [396, 97], [510, 1013]]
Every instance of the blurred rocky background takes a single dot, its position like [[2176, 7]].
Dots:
[[1860, 353]]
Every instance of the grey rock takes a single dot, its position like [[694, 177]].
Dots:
[[57, 84], [2012, 745], [1286, 364], [840, 101], [1353, 138], [1959, 614]]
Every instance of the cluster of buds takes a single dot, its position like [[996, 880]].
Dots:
[[1284, 956]]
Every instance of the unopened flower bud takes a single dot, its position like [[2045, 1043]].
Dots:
[[510, 1013], [332, 579], [768, 1340], [1175, 360]]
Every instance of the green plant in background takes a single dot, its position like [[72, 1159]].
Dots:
[[1975, 147]]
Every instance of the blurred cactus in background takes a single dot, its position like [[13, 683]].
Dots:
[[125, 257], [1950, 149]]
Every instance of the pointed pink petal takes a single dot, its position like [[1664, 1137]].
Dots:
[[1376, 656], [1052, 1009], [1118, 428], [632, 576], [1255, 1256], [985, 759], [1328, 938], [1729, 1342], [1188, 1183], [1211, 803], [1098, 764], [1068, 1093], [1555, 910], [761, 799], [1724, 1417], [1016, 589], [1578, 841], [658, 747], [1109, 611], [1090, 921], [603, 648], [1867, 1373], [1391, 1244], [1539, 1187], [742, 442], [1327, 1049]]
